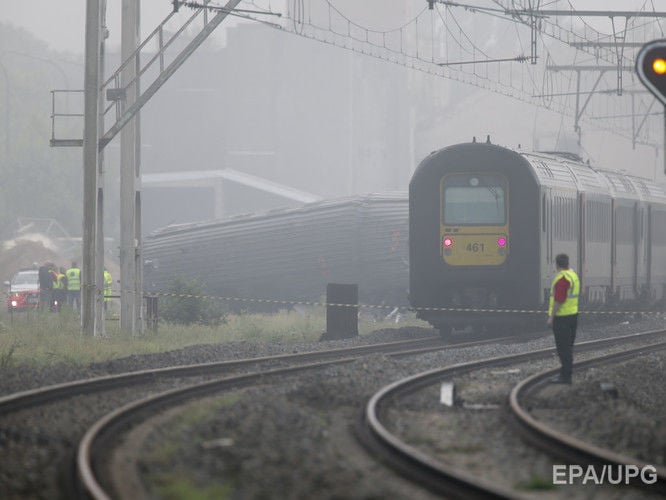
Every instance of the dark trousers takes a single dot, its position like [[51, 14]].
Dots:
[[564, 329], [74, 299], [46, 299]]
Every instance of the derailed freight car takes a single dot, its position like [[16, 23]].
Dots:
[[289, 255]]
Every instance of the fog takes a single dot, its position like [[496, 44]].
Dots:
[[296, 119]]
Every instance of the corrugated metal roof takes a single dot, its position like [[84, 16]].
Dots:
[[620, 184], [550, 169]]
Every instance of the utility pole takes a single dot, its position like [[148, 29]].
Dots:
[[90, 166], [131, 293], [99, 222], [123, 87]]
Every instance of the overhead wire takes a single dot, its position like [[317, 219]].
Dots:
[[461, 38]]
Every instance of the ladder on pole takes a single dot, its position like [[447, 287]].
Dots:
[[158, 68]]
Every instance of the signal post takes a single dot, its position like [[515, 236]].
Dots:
[[651, 70]]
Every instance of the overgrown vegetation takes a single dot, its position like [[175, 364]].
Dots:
[[43, 338], [186, 305]]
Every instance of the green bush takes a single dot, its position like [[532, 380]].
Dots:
[[186, 304]]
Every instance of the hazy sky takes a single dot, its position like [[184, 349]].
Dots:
[[61, 23]]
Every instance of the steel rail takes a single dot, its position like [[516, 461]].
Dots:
[[51, 393], [100, 436], [566, 446], [101, 432], [425, 470]]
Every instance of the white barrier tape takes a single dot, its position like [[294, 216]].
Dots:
[[379, 306]]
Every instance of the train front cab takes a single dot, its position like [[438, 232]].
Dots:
[[486, 230]]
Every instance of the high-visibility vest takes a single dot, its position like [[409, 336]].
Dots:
[[570, 305], [107, 285], [73, 278], [60, 282]]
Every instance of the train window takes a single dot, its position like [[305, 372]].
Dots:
[[659, 228], [565, 216], [474, 200], [624, 225]]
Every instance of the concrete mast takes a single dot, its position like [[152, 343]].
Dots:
[[90, 165], [131, 294]]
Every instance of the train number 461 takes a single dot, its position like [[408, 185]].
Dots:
[[474, 247]]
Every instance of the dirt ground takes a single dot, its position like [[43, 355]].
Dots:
[[23, 255]]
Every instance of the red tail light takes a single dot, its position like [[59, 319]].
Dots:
[[448, 242], [501, 241]]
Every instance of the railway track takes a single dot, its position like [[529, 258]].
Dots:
[[57, 392], [423, 468], [574, 450], [93, 449], [39, 400]]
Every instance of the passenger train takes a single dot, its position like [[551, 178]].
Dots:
[[486, 222]]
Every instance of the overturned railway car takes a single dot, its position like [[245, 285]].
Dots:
[[486, 223], [290, 255]]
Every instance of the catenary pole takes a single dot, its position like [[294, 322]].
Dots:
[[99, 222], [130, 294], [90, 158]]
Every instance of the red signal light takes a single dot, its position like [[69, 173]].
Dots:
[[448, 242], [501, 241]]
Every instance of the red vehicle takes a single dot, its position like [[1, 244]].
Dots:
[[23, 291]]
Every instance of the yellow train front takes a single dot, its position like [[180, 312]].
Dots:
[[474, 238]]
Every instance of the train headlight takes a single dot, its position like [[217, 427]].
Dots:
[[448, 242]]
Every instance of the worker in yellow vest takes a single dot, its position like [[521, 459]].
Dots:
[[563, 315], [59, 288], [73, 275], [108, 281]]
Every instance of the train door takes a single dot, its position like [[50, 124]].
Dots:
[[581, 245], [637, 242], [641, 252], [648, 250], [613, 255], [546, 241]]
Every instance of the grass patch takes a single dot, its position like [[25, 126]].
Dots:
[[201, 411], [42, 338], [168, 455], [174, 487]]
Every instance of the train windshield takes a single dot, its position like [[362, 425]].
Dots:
[[474, 200]]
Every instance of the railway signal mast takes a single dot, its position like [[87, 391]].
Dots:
[[651, 70]]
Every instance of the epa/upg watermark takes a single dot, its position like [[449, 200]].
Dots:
[[603, 474]]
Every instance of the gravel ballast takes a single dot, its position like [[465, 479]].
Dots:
[[285, 440]]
